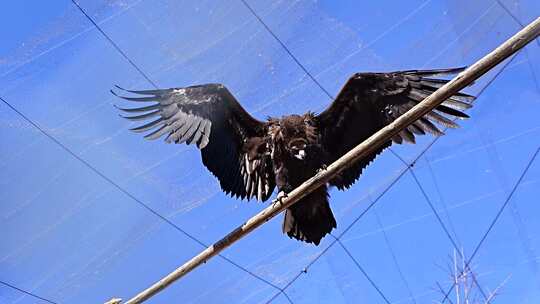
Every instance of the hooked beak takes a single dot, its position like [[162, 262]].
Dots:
[[300, 155]]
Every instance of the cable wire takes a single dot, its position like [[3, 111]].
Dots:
[[287, 49], [394, 256], [439, 193], [374, 202], [327, 93], [496, 218], [439, 219], [362, 270], [537, 40], [448, 235], [128, 194], [364, 212], [28, 293], [428, 200], [516, 19], [330, 96], [115, 45]]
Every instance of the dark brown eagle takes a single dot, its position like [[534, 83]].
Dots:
[[251, 157]]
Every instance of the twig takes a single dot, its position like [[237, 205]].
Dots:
[[495, 292]]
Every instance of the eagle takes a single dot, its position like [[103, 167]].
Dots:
[[250, 157]]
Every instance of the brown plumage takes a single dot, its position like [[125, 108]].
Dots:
[[251, 157]]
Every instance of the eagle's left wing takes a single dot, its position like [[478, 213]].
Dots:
[[231, 141], [370, 101]]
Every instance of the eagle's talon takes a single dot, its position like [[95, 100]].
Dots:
[[322, 168], [280, 197]]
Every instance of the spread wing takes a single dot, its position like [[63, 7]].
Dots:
[[370, 101], [231, 141]]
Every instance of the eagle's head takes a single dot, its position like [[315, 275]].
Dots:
[[295, 135]]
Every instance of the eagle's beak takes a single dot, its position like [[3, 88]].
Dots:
[[300, 155]]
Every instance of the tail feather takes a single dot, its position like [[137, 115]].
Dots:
[[311, 218]]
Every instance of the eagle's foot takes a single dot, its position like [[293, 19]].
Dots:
[[280, 197], [322, 168]]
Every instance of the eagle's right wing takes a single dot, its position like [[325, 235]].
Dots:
[[231, 141], [370, 101]]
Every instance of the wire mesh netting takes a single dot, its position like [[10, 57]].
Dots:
[[90, 211]]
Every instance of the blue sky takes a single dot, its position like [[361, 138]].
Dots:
[[69, 235]]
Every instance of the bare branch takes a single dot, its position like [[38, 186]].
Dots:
[[496, 291]]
